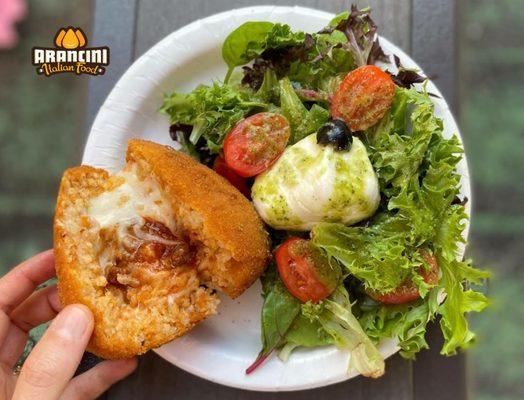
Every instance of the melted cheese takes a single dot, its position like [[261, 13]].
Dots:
[[123, 208], [129, 202]]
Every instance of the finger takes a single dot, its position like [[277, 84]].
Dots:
[[53, 361], [40, 307], [21, 281], [13, 346], [98, 379], [7, 381]]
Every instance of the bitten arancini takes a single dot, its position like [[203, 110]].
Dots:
[[146, 248]]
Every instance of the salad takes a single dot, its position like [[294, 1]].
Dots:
[[339, 149]]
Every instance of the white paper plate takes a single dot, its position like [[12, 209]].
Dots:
[[220, 348]]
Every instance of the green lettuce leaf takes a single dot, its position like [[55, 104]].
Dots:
[[335, 316], [303, 122], [378, 255], [313, 60], [398, 144], [269, 91], [324, 63], [304, 333], [309, 60], [288, 324], [457, 276], [407, 322], [251, 33], [211, 110], [338, 18], [280, 36]]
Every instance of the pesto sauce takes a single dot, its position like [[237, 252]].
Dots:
[[349, 188], [277, 209]]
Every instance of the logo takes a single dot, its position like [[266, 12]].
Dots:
[[70, 54]]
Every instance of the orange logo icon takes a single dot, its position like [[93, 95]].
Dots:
[[71, 38]]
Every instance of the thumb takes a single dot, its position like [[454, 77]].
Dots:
[[53, 361]]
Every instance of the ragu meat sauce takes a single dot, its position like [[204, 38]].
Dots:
[[147, 244]]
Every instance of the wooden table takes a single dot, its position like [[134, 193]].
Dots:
[[426, 30]]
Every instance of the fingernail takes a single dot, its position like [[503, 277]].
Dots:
[[71, 323]]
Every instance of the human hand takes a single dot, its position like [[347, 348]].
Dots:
[[47, 374]]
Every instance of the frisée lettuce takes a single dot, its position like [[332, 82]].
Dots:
[[416, 167], [210, 112]]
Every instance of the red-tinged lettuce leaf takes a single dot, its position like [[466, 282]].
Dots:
[[277, 51], [320, 57], [279, 311], [361, 33], [406, 78]]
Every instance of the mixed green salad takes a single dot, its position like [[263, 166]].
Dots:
[[346, 163]]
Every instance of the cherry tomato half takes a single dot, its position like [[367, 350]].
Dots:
[[255, 143], [408, 291], [306, 273], [221, 168], [363, 97]]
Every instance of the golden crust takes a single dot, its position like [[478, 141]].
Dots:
[[227, 215], [226, 223], [71, 286], [121, 331]]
